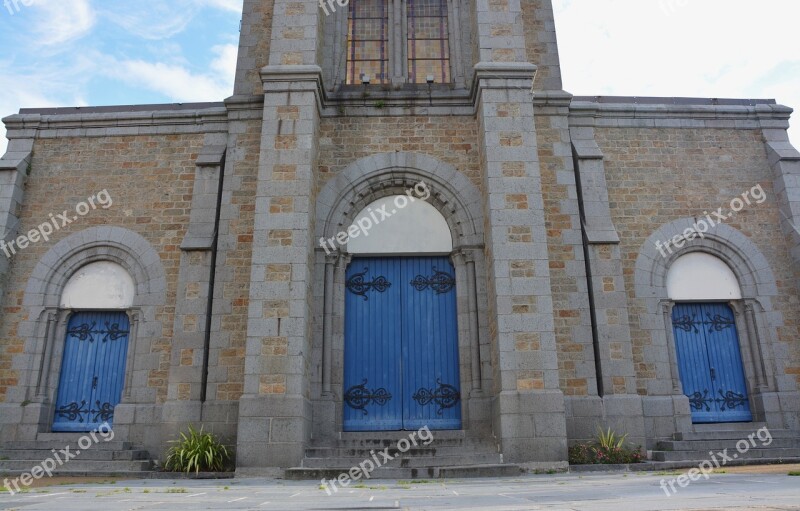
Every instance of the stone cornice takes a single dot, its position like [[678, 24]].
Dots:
[[117, 121], [678, 113]]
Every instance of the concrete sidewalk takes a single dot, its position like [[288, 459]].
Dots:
[[595, 492]]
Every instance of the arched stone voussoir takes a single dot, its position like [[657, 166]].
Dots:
[[379, 175], [104, 243]]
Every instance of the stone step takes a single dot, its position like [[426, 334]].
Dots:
[[61, 444], [380, 443], [397, 435], [729, 426], [708, 445], [731, 434], [753, 453], [89, 454], [77, 465], [406, 462], [433, 472], [365, 452]]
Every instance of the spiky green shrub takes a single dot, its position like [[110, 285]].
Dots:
[[197, 451], [608, 449]]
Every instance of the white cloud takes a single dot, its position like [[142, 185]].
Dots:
[[713, 48], [61, 21], [179, 83]]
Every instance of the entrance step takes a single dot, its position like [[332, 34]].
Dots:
[[433, 472], [708, 439], [449, 454], [99, 458], [405, 461]]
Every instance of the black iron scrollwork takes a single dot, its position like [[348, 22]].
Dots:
[[728, 400], [112, 332], [82, 332], [75, 411], [697, 401], [731, 400], [72, 411], [440, 282], [358, 285], [446, 396], [359, 396], [716, 323]]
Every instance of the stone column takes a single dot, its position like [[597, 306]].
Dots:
[[528, 405], [275, 410]]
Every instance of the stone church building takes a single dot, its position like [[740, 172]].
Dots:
[[401, 219]]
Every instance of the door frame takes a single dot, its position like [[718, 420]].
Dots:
[[407, 391], [57, 321], [472, 329], [747, 317]]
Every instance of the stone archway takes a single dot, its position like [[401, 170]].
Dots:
[[459, 203]]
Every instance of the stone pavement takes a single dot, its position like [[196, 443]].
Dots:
[[614, 492]]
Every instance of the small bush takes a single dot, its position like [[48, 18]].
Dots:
[[608, 449], [196, 451]]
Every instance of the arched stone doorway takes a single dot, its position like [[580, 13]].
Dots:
[[95, 349], [707, 339], [447, 213], [401, 359]]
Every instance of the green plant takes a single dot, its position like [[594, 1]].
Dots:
[[608, 448], [196, 451], [380, 104], [795, 473]]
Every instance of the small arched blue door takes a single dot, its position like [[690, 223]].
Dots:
[[401, 345], [710, 362], [92, 371]]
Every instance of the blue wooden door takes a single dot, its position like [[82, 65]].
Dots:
[[92, 370], [372, 373], [401, 345], [710, 362]]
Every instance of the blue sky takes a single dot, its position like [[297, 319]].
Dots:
[[105, 52]]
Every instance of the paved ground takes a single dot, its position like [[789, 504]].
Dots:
[[614, 492]]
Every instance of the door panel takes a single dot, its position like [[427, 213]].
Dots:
[[725, 358], [430, 345], [710, 363], [92, 370], [401, 345], [372, 380]]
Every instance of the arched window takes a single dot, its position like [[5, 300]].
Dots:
[[701, 276], [400, 225], [100, 285]]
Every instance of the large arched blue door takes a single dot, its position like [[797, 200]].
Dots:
[[401, 345], [710, 362], [92, 370]]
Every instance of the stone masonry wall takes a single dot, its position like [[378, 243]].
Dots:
[[656, 176], [451, 139], [150, 180]]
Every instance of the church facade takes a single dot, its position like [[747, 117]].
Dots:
[[400, 219]]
